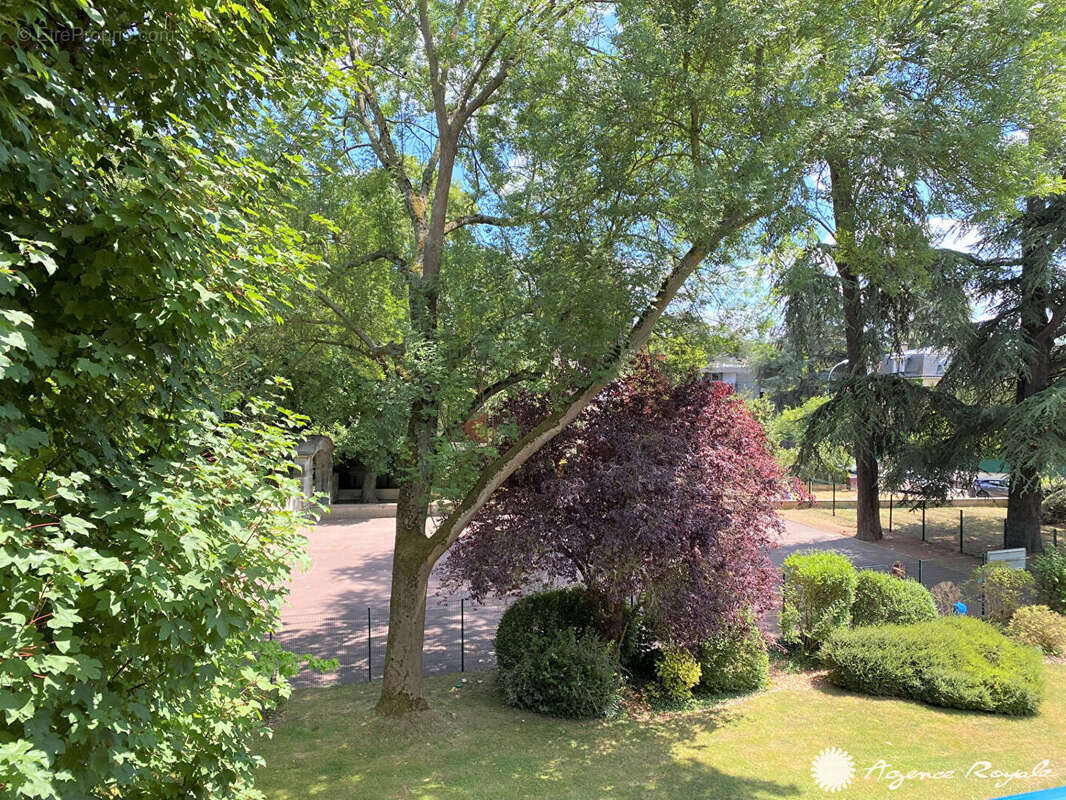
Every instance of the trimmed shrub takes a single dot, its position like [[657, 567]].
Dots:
[[1040, 627], [1001, 588], [677, 672], [954, 662], [567, 674], [818, 592], [734, 662], [1049, 574], [531, 619], [881, 599]]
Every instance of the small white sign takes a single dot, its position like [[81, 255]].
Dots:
[[1012, 557]]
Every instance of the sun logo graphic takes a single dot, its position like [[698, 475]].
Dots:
[[833, 769]]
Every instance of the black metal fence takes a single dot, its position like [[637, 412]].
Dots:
[[459, 638]]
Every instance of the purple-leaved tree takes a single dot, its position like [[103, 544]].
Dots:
[[658, 492]]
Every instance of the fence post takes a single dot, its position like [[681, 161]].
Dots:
[[834, 497], [961, 549], [369, 638], [1055, 538], [891, 497], [462, 634], [920, 562], [923, 523]]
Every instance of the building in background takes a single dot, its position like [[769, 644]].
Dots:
[[927, 366], [740, 376]]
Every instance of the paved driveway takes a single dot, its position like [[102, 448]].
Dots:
[[339, 607], [351, 562]]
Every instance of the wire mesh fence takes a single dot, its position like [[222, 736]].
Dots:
[[459, 638], [971, 530]]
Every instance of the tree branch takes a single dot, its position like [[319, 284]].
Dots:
[[506, 463], [376, 351], [478, 219], [1050, 331], [388, 255], [501, 385]]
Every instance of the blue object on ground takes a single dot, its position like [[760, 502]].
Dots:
[[960, 608], [1047, 794]]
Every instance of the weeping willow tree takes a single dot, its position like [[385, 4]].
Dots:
[[920, 136]]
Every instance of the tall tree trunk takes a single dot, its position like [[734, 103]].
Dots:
[[868, 502], [401, 687], [1025, 496], [1023, 514], [370, 486]]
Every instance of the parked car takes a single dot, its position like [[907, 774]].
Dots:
[[990, 487]]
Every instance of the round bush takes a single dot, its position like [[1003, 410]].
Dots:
[[677, 672], [531, 619], [1040, 627], [954, 662], [734, 662], [818, 590], [568, 674], [881, 599]]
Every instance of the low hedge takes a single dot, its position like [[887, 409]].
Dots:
[[882, 599], [954, 662], [734, 662]]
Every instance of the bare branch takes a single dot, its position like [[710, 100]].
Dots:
[[436, 80], [376, 351], [387, 255], [490, 391], [478, 219]]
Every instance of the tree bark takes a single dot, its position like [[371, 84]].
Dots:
[[402, 685], [1024, 507], [370, 486]]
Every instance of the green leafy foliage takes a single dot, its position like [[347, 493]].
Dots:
[[552, 661], [676, 672], [1040, 627], [999, 589], [143, 536], [538, 615], [883, 599], [134, 643], [734, 661], [1049, 576], [955, 662], [818, 593]]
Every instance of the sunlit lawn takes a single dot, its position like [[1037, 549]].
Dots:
[[328, 744], [982, 525]]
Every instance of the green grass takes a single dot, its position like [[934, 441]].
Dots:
[[328, 744], [982, 525]]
